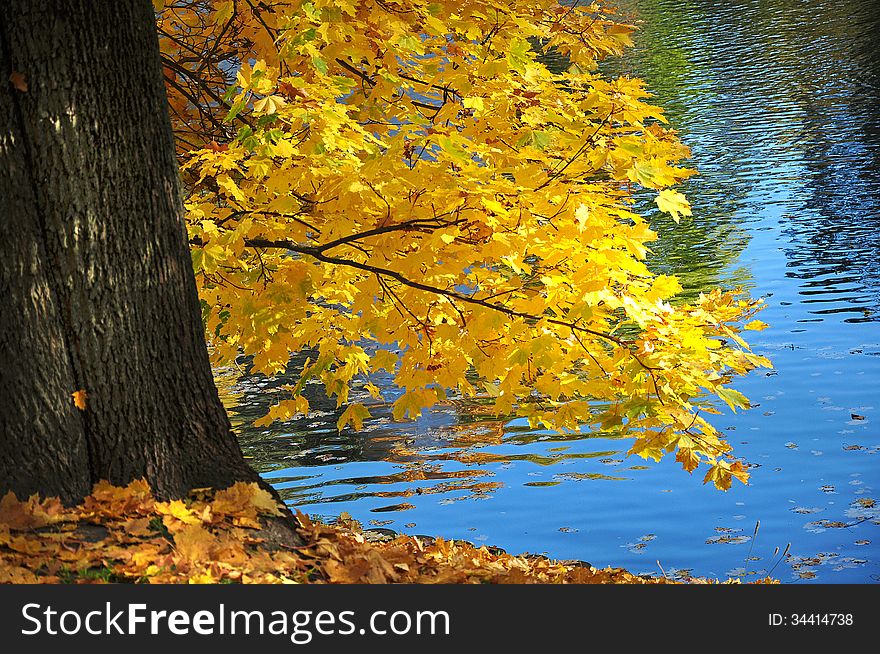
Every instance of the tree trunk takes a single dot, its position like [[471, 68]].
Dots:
[[96, 285]]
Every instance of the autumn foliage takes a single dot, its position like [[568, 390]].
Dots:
[[404, 186], [122, 534]]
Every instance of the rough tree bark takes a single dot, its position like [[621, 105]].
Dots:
[[96, 286]]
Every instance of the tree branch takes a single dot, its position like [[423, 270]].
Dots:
[[317, 252]]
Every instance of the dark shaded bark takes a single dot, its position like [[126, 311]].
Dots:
[[96, 286]]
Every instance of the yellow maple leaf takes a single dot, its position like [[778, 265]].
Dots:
[[177, 510], [244, 500], [688, 459], [756, 325], [269, 105], [673, 203], [721, 473], [264, 502], [356, 414]]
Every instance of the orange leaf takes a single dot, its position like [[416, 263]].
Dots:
[[137, 527], [263, 501], [107, 499], [22, 515], [79, 399], [244, 500], [195, 543]]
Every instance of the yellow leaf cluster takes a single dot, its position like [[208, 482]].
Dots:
[[408, 187]]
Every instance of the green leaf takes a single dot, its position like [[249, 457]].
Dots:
[[538, 140], [319, 64], [230, 93], [234, 110], [452, 148], [518, 55]]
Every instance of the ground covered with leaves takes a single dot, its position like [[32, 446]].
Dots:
[[240, 535]]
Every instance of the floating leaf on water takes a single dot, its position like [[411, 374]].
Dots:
[[728, 539], [393, 507], [818, 526], [581, 476]]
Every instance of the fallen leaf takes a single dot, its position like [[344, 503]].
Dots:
[[138, 527], [28, 514], [107, 499], [244, 500], [195, 543], [114, 536], [177, 510], [18, 81]]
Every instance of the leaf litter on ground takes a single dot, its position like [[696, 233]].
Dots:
[[124, 534]]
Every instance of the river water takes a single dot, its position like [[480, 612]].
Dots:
[[780, 103]]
